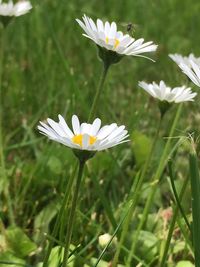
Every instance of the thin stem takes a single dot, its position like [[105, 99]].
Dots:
[[195, 190], [104, 201], [98, 91], [5, 178], [72, 213], [136, 195], [171, 176], [58, 218], [172, 224], [157, 176], [65, 204], [114, 234]]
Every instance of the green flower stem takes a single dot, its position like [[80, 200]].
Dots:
[[58, 218], [3, 167], [157, 175], [172, 225], [136, 195], [195, 190], [178, 201], [72, 213], [65, 211], [98, 91]]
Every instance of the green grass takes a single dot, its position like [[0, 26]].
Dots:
[[50, 68]]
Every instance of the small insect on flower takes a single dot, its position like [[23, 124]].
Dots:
[[129, 27], [84, 136], [189, 65], [166, 93], [106, 35], [14, 10]]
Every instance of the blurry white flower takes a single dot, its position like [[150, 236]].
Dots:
[[165, 93], [179, 59], [10, 9], [106, 35], [85, 136], [105, 239], [189, 65]]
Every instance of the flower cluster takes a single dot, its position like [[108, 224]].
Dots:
[[85, 139], [86, 136], [91, 137]]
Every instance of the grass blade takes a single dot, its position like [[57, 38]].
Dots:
[[195, 188]]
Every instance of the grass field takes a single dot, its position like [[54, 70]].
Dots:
[[49, 68]]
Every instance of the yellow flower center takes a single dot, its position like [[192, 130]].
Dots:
[[116, 43], [78, 139]]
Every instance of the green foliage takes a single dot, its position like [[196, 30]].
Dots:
[[141, 145], [184, 264], [43, 219], [56, 257], [148, 246], [18, 242], [101, 263], [9, 259], [55, 165], [195, 188]]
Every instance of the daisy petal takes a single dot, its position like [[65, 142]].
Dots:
[[76, 125]]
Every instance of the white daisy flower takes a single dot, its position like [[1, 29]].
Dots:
[[14, 10], [189, 65], [106, 35], [165, 93], [84, 136], [179, 59]]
